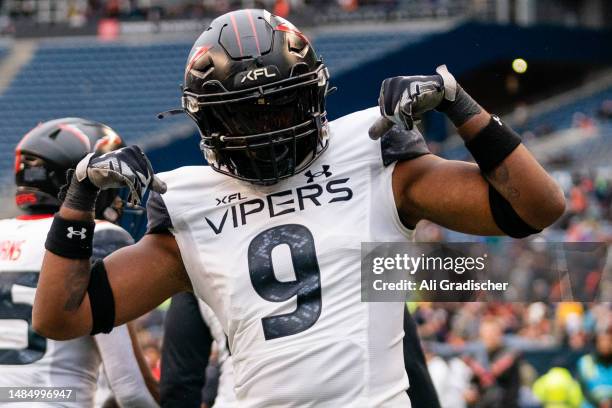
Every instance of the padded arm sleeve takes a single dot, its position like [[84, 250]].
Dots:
[[158, 219], [506, 218], [401, 145]]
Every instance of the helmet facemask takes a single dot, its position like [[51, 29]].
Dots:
[[38, 183], [46, 153], [263, 134]]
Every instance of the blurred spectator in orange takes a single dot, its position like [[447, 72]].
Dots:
[[152, 356], [582, 121], [578, 200], [282, 8], [349, 5]]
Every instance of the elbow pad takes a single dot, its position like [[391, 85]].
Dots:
[[506, 218], [101, 300]]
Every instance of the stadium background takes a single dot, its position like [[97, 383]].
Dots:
[[544, 65]]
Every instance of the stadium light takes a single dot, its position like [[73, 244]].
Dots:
[[519, 66]]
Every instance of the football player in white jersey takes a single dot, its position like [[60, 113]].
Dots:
[[27, 359], [269, 234]]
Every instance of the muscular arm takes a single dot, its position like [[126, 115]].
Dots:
[[456, 194], [141, 277]]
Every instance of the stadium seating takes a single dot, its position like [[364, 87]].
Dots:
[[343, 51], [122, 85], [126, 85], [595, 150], [561, 117]]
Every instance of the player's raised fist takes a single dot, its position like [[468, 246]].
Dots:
[[404, 99], [127, 167]]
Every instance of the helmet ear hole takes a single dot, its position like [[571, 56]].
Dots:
[[297, 46]]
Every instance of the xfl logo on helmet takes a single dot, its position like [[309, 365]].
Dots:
[[254, 74], [72, 233], [311, 176]]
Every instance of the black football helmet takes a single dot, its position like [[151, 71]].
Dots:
[[256, 90], [44, 155]]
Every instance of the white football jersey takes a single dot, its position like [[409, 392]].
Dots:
[[226, 398], [27, 359], [280, 267]]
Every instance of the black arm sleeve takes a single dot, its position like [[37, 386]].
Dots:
[[185, 351], [401, 145], [158, 219], [421, 392], [211, 388], [506, 218]]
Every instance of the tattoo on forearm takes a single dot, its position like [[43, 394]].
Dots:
[[76, 282], [500, 176]]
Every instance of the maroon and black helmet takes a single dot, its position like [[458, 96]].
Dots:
[[256, 90], [44, 155]]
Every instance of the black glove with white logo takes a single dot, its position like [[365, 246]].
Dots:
[[126, 167], [404, 99]]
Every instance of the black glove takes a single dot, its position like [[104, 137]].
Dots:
[[404, 99], [126, 167]]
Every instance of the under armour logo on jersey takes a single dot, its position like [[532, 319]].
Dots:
[[72, 233], [497, 119], [325, 172]]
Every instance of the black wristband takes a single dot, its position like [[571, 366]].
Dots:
[[493, 144], [101, 300], [70, 239], [81, 195]]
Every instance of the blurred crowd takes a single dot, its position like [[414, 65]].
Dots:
[[587, 120], [79, 12], [519, 355], [589, 206], [531, 354]]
